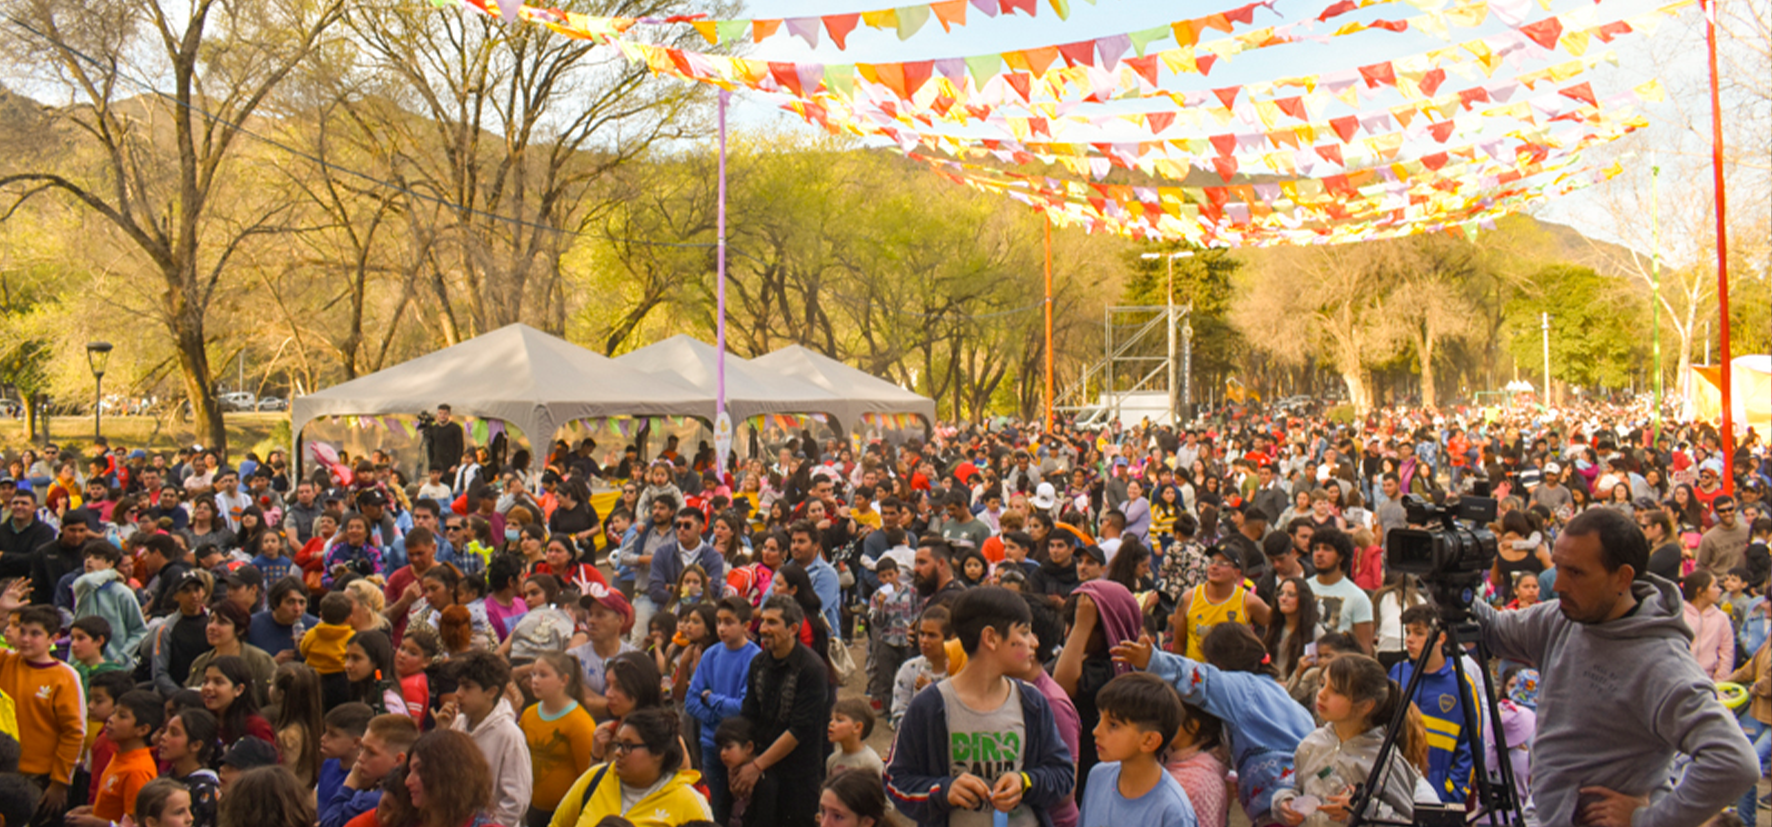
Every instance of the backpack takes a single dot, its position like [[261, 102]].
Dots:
[[591, 789]]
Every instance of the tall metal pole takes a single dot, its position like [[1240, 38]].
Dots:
[[98, 405], [720, 299], [1544, 326], [1048, 414], [1169, 318], [1716, 164], [1655, 276]]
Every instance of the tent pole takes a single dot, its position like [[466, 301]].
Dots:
[[720, 297]]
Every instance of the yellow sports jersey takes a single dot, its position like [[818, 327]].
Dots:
[[1203, 614]]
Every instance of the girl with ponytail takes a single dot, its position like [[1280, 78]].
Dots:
[[1356, 703]]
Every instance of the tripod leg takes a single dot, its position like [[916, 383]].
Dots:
[[1504, 801], [1387, 750]]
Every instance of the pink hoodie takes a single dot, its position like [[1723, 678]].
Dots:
[[1713, 640]]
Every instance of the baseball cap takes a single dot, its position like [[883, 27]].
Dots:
[[1229, 554], [600, 595], [138, 454], [192, 576], [250, 752], [372, 496], [1095, 553], [245, 575], [1553, 468], [1713, 465]]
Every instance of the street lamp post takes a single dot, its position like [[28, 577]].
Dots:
[[97, 354], [1169, 319]]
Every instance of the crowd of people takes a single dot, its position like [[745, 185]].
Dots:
[[1059, 627]]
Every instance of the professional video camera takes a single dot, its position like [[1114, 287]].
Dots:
[[1453, 549], [1451, 553], [425, 419]]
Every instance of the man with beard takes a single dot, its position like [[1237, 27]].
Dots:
[[1620, 694], [785, 699], [934, 573]]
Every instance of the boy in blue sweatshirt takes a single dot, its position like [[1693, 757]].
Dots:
[[981, 743], [1442, 703], [716, 692]]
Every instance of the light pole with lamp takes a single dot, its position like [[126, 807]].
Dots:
[[97, 354], [1169, 318]]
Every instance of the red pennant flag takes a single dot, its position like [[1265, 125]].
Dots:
[[1019, 82], [1159, 121], [839, 26], [1338, 184], [1225, 144], [1227, 167], [1345, 126], [917, 73], [1293, 106], [1038, 127], [682, 62], [1242, 14], [1389, 25], [1434, 161], [1430, 82], [1582, 92], [943, 103], [1146, 67], [1545, 32], [1029, 6], [1615, 28], [788, 75], [1378, 73], [1082, 51], [1330, 153], [1472, 96], [1205, 63], [1442, 130], [1227, 95], [1340, 8], [1217, 196]]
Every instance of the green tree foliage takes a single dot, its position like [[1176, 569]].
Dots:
[[1597, 327]]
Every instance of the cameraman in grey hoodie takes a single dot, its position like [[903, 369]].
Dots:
[[1620, 693]]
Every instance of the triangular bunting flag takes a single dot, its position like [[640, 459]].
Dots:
[[839, 26]]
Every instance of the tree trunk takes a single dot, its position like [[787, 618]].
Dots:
[[1426, 345], [193, 362], [32, 420]]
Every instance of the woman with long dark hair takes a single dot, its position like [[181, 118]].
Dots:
[[632, 682], [1296, 628], [299, 724], [228, 695]]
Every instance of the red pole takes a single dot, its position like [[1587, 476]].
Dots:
[[1716, 163]]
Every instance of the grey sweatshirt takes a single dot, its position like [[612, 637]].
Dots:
[[1617, 701]]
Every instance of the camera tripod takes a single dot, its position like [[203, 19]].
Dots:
[[1499, 801]]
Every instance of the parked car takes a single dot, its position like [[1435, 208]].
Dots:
[[237, 401], [273, 403]]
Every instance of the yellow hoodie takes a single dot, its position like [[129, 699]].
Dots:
[[675, 803]]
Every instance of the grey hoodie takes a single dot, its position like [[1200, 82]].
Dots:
[[507, 751], [1617, 701]]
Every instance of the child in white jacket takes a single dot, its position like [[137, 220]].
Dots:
[[481, 711], [1356, 703]]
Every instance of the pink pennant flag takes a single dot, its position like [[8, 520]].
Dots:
[[805, 28]]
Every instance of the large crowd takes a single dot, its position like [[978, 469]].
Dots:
[[1060, 627]]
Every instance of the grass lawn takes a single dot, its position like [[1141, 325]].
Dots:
[[246, 431]]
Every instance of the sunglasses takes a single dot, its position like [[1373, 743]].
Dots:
[[686, 524]]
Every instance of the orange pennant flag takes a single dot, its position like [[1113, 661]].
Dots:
[[951, 13]]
